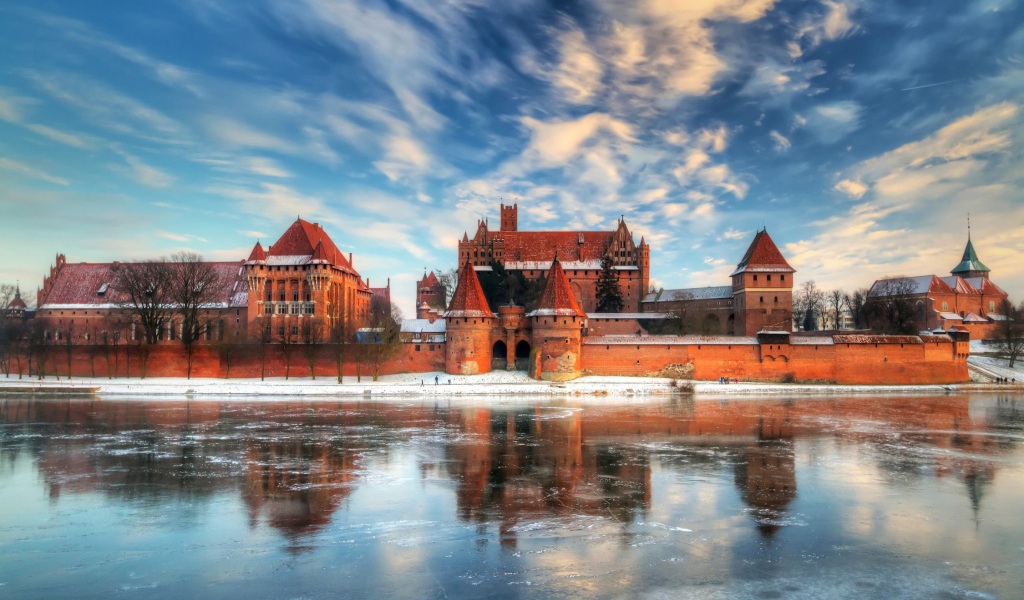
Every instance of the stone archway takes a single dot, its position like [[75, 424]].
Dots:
[[499, 356], [730, 325], [522, 355]]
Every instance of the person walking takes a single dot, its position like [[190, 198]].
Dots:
[[436, 379]]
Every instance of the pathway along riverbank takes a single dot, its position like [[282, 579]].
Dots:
[[423, 384]]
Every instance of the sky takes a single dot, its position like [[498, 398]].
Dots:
[[860, 133]]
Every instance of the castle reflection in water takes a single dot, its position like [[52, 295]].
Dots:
[[295, 464]]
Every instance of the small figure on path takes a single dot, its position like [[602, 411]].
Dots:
[[436, 379]]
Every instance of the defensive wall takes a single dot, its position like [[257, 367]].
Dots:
[[841, 359]]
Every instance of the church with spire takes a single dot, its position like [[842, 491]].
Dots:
[[967, 299]]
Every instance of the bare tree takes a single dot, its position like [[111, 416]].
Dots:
[[67, 340], [449, 278], [809, 303], [855, 302], [261, 334], [39, 348], [339, 338], [289, 339], [1009, 335], [195, 285], [890, 306], [105, 344], [312, 340], [228, 350], [383, 340], [836, 302], [146, 290]]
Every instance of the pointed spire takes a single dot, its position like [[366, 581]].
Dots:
[[319, 254], [969, 265], [468, 299], [557, 298], [257, 255]]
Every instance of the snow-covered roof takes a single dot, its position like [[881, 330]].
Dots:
[[719, 292], [675, 340], [819, 340], [948, 316], [423, 326], [973, 318], [553, 312], [610, 316], [287, 260], [995, 317]]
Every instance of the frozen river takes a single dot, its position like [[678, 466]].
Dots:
[[910, 497]]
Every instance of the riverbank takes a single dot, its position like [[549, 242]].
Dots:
[[423, 384]]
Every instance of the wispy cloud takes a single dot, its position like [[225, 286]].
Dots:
[[32, 172]]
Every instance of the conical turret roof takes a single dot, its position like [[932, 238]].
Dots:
[[17, 303], [969, 262], [558, 299], [763, 256], [257, 254], [469, 300]]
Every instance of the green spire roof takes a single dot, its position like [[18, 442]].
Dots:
[[970, 261]]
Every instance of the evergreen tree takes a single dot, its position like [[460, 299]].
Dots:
[[609, 296]]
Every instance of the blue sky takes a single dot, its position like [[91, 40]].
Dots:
[[860, 132]]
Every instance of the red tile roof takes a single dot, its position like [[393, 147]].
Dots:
[[763, 256], [525, 246], [429, 280], [558, 298], [302, 238], [78, 285], [257, 253], [469, 300]]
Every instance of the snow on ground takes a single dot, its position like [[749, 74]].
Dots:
[[989, 367], [498, 383]]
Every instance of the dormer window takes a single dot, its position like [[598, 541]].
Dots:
[[103, 289]]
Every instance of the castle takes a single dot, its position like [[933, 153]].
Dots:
[[303, 276], [532, 254]]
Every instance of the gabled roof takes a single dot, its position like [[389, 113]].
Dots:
[[922, 284], [429, 280], [959, 284], [557, 298], [257, 254], [79, 286], [973, 318], [970, 261], [763, 256], [468, 299], [718, 292], [985, 286]]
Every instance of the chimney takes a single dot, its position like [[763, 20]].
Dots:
[[350, 263]]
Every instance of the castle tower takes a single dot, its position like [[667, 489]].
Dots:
[[762, 287], [510, 217], [969, 265], [556, 325], [469, 322], [644, 263]]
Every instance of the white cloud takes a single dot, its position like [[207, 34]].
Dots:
[[833, 121], [145, 174], [259, 165], [27, 171], [852, 188], [781, 143]]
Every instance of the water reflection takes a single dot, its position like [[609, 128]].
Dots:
[[294, 467]]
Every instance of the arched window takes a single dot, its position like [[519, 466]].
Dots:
[[991, 306], [920, 311], [945, 307]]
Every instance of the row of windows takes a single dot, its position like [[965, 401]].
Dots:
[[293, 308], [781, 277]]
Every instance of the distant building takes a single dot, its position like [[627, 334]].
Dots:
[[760, 297], [431, 291], [967, 298]]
